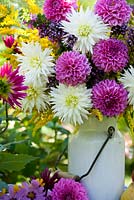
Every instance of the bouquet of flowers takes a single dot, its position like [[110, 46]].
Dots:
[[70, 61]]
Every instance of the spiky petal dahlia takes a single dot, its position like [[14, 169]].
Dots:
[[72, 68], [127, 79], [113, 12], [12, 89], [71, 103], [35, 62], [87, 27], [68, 189], [110, 55], [109, 97], [56, 10]]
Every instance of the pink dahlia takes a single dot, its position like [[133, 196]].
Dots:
[[56, 10], [110, 55], [72, 68], [109, 97], [113, 12], [68, 189], [11, 85], [8, 41]]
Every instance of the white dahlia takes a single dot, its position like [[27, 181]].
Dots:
[[35, 62], [71, 104], [36, 98], [127, 80], [87, 27]]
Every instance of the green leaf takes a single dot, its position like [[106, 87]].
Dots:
[[62, 130], [3, 185], [14, 162]]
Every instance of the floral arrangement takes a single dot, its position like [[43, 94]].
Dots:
[[79, 62], [70, 61]]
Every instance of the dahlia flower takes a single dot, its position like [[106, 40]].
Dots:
[[68, 189], [12, 89], [35, 62], [113, 12], [36, 98], [72, 68], [70, 103], [8, 41], [110, 55], [56, 10], [87, 27], [109, 97], [127, 80]]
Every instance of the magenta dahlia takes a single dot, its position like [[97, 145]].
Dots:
[[12, 89], [56, 10], [72, 68], [113, 12], [109, 97], [110, 55], [68, 189]]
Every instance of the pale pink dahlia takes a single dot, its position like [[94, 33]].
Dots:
[[113, 12], [109, 97], [11, 85], [110, 55], [72, 68], [68, 189], [56, 10]]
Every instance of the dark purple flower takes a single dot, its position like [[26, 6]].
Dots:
[[68, 189], [110, 55], [113, 12], [72, 68], [56, 10], [49, 179], [109, 97]]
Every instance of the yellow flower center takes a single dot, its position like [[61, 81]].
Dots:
[[84, 30], [31, 195], [72, 101], [5, 88], [35, 62], [32, 93]]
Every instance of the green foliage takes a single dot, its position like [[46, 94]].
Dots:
[[14, 162]]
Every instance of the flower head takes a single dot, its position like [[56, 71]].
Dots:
[[68, 189], [9, 41], [109, 97], [36, 98], [110, 55], [87, 27], [113, 12], [72, 68], [70, 103], [12, 89], [127, 80], [35, 62], [56, 10]]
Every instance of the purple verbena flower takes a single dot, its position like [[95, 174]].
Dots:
[[109, 97], [68, 189], [113, 12], [72, 68], [56, 10], [110, 55]]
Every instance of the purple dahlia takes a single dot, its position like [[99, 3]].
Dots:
[[56, 10], [12, 88], [110, 55], [113, 12], [109, 97], [68, 189], [72, 68]]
